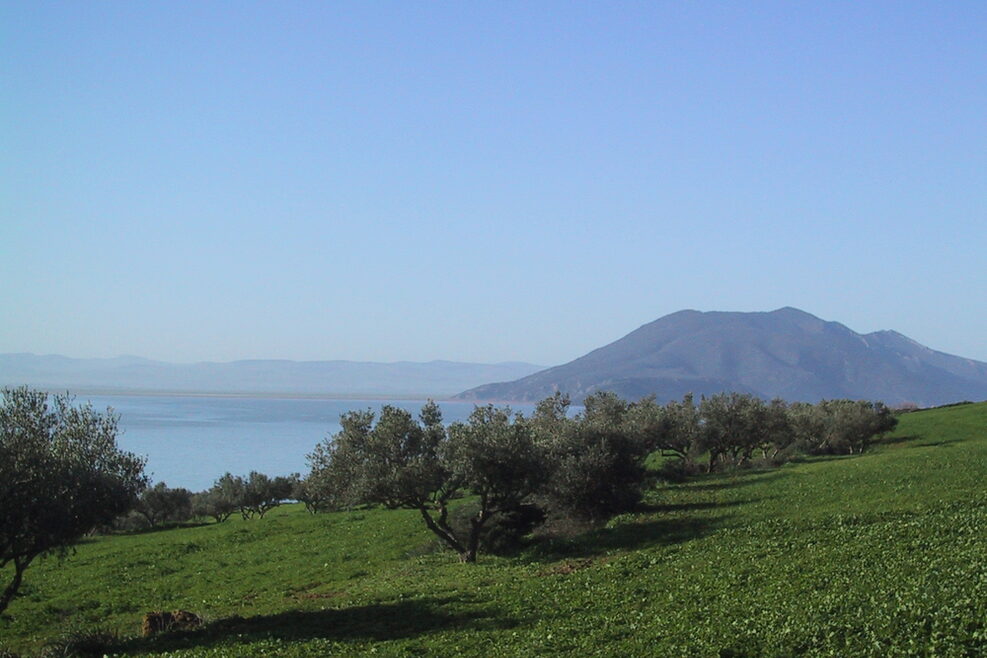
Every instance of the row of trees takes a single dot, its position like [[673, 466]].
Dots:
[[587, 466], [254, 495], [731, 429], [62, 474], [249, 496]]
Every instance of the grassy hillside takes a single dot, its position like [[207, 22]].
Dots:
[[879, 555]]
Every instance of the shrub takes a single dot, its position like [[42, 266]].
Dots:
[[82, 644]]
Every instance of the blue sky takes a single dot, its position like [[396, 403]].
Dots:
[[483, 181]]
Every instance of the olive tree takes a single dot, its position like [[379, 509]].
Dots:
[[315, 496], [393, 461], [597, 458], [682, 428], [61, 475], [221, 499], [255, 494], [162, 504], [495, 457], [397, 461], [808, 422], [733, 426], [845, 426], [213, 503], [262, 493]]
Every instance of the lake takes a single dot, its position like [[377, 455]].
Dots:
[[189, 441]]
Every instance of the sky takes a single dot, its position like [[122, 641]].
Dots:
[[509, 181]]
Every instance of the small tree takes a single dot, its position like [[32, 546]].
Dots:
[[394, 462], [550, 417], [839, 426], [672, 429], [232, 488], [161, 504], [399, 462], [496, 458], [316, 495], [224, 497], [262, 493], [61, 475], [849, 425], [597, 458], [808, 422], [214, 504], [778, 435], [733, 426]]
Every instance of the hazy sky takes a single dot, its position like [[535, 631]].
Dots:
[[483, 181]]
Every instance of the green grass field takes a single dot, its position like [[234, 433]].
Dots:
[[883, 554]]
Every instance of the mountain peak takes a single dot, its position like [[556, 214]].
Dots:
[[791, 310]]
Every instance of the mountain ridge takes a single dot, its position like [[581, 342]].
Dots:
[[785, 353]]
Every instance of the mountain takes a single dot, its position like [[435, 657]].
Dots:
[[344, 378], [786, 353]]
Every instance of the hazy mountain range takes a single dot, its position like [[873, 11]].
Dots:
[[786, 353], [341, 378]]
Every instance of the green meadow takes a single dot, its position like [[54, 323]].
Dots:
[[882, 554]]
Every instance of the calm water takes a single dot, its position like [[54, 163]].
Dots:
[[191, 441]]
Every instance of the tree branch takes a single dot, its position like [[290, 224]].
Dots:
[[441, 529]]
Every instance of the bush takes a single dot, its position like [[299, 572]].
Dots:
[[678, 470], [129, 522], [82, 644]]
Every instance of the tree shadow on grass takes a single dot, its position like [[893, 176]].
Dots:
[[945, 443], [655, 532], [732, 480], [672, 508], [377, 622], [627, 536], [896, 439]]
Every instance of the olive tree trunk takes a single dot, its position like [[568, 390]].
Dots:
[[20, 564]]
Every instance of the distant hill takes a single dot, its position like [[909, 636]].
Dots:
[[786, 353], [345, 378]]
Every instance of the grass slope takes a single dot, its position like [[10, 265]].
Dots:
[[877, 555]]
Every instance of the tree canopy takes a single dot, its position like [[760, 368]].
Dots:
[[398, 461], [61, 475], [586, 466]]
